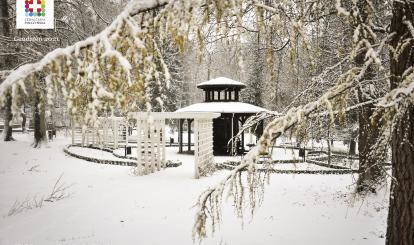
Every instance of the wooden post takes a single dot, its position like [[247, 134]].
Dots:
[[180, 135], [242, 121], [145, 129], [115, 131], [139, 147], [157, 143], [196, 150], [94, 136], [189, 134], [87, 136], [73, 132], [152, 139], [163, 139], [232, 134], [210, 135], [83, 136], [242, 141], [126, 133], [105, 133]]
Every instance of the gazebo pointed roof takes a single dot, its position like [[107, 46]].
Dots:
[[223, 82], [230, 104], [223, 107]]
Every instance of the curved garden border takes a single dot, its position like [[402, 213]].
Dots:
[[334, 169], [123, 156], [96, 160], [294, 171], [169, 164]]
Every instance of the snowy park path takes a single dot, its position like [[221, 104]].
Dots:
[[108, 205]]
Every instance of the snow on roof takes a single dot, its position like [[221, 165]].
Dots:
[[221, 81], [222, 107]]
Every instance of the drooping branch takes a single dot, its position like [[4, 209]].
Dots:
[[25, 71], [209, 201]]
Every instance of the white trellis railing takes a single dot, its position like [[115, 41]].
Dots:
[[150, 145], [112, 133], [151, 139], [109, 134], [203, 144]]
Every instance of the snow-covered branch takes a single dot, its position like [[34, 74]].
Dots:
[[209, 202], [132, 9]]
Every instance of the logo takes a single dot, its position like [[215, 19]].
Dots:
[[33, 9], [35, 14]]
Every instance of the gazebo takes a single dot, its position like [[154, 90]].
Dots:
[[221, 95]]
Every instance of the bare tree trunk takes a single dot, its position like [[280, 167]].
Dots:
[[277, 80], [328, 141], [353, 134], [209, 67], [5, 65], [8, 116], [400, 230], [352, 147], [39, 120], [24, 119], [370, 170]]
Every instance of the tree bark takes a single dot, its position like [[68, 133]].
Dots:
[[370, 170], [39, 120], [400, 230], [8, 116], [5, 65], [352, 147], [24, 119], [328, 142]]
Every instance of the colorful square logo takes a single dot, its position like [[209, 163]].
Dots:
[[35, 8]]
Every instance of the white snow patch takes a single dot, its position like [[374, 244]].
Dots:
[[108, 205]]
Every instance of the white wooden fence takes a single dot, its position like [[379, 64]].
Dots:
[[112, 133]]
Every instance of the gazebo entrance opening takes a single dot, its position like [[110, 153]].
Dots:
[[225, 128], [185, 125]]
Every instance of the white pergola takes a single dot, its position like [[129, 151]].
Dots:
[[151, 137]]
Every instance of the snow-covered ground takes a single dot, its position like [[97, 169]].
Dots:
[[97, 154], [108, 205], [277, 154], [322, 145]]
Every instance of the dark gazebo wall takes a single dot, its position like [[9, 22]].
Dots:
[[221, 94], [222, 133], [222, 126]]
